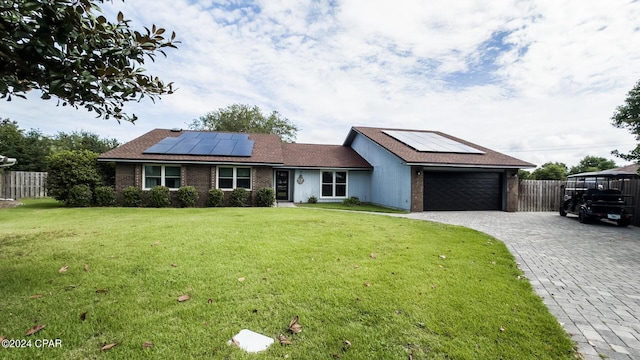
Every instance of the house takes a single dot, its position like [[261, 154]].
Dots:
[[413, 170]]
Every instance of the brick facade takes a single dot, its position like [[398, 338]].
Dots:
[[125, 176], [512, 190], [417, 189], [202, 177]]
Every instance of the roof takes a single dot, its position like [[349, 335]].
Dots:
[[267, 150], [489, 158], [322, 156], [628, 171]]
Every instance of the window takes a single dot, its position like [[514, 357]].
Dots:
[[161, 175], [334, 184], [230, 178]]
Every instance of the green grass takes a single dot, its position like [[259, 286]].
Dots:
[[429, 290], [362, 207]]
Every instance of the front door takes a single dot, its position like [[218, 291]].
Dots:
[[282, 185]]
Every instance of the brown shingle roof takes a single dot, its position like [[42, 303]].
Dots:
[[322, 156], [410, 155], [266, 150]]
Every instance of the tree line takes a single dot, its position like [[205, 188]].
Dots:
[[32, 148], [559, 171]]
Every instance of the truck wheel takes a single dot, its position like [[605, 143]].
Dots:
[[562, 211], [582, 217]]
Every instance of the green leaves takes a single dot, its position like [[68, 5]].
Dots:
[[69, 50], [627, 116], [243, 118]]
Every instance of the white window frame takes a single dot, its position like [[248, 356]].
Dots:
[[235, 177], [333, 190], [162, 175]]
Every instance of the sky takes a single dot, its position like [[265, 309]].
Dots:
[[538, 80]]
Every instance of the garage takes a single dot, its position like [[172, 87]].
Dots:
[[446, 190]]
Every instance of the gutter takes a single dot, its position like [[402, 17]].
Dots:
[[156, 161], [464, 166]]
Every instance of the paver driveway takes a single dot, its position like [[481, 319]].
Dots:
[[587, 274]]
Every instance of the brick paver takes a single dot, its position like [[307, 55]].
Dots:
[[588, 275]]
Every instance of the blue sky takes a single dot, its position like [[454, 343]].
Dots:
[[538, 80]]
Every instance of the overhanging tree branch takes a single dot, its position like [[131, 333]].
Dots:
[[67, 49]]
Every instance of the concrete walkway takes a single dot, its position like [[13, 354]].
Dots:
[[588, 275]]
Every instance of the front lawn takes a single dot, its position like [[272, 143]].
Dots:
[[393, 288]]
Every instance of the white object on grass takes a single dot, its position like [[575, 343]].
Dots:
[[251, 341]]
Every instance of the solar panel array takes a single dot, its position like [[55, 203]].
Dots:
[[204, 143], [431, 142]]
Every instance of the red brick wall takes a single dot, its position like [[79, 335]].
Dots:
[[202, 177], [125, 176], [417, 189], [198, 176]]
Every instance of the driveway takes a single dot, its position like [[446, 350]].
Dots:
[[588, 275]]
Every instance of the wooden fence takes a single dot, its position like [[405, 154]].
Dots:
[[23, 184], [539, 195]]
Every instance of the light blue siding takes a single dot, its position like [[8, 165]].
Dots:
[[310, 185], [358, 184], [390, 183]]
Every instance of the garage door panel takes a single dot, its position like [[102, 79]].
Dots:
[[462, 191]]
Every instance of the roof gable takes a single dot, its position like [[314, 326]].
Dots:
[[483, 157]]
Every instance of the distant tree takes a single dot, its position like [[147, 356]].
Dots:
[[524, 174], [628, 116], [592, 163], [550, 171], [83, 140], [242, 118], [30, 148], [68, 50]]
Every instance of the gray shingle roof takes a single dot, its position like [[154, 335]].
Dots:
[[408, 154], [268, 149], [322, 156]]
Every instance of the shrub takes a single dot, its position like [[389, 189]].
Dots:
[[265, 197], [187, 196], [352, 201], [105, 196], [159, 196], [69, 168], [79, 196], [216, 198], [239, 197], [312, 200], [132, 196]]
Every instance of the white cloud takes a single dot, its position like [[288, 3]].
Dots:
[[328, 65]]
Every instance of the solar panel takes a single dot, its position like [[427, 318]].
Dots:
[[243, 149], [240, 136], [223, 136], [204, 143], [189, 134], [159, 148], [431, 142], [204, 147], [224, 147]]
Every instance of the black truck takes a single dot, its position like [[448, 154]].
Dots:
[[598, 195]]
